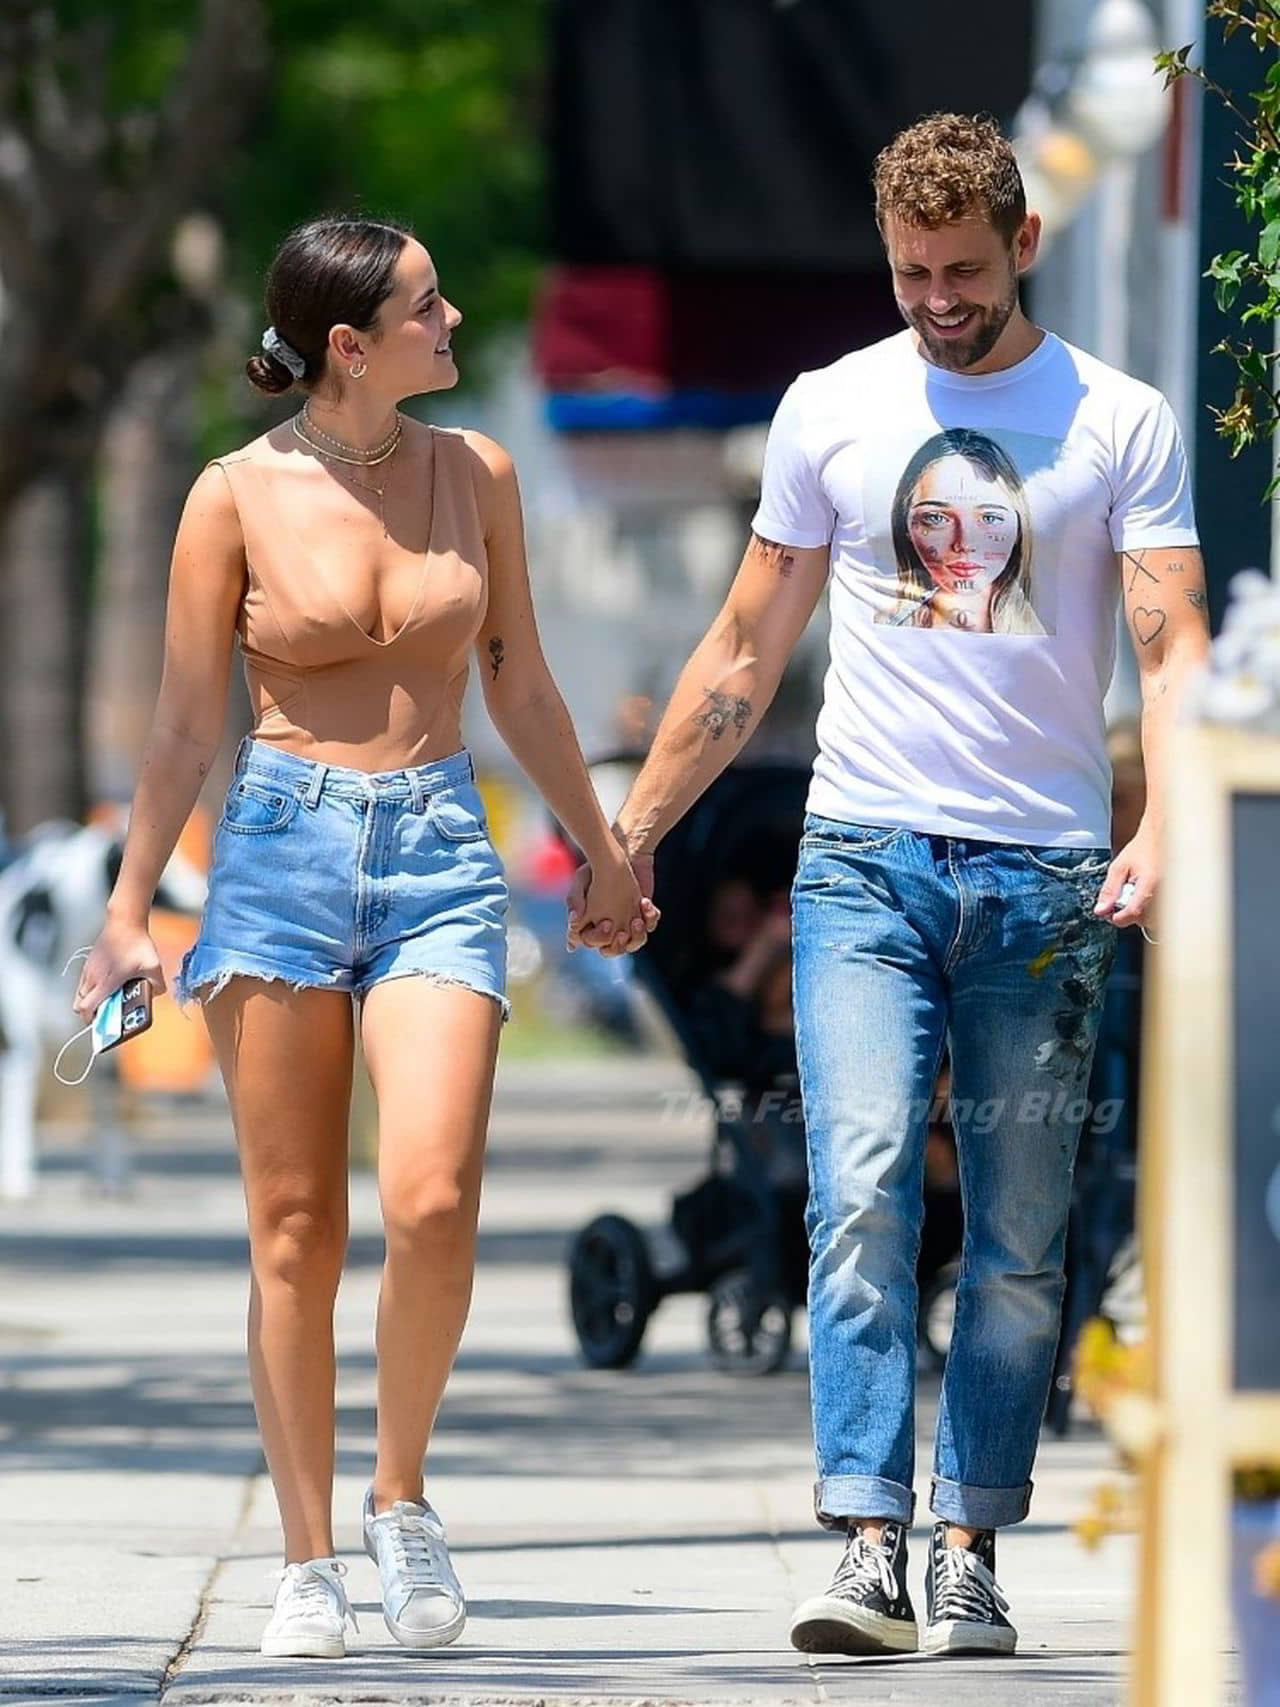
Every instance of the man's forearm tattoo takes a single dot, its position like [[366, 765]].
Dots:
[[780, 557], [496, 654], [723, 711]]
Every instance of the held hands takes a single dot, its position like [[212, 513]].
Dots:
[[1127, 895], [122, 951], [611, 909]]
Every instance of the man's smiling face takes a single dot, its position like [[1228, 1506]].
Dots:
[[956, 284]]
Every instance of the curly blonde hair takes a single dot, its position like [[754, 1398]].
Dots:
[[944, 167]]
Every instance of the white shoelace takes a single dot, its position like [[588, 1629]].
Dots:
[[416, 1542], [966, 1590], [316, 1586], [865, 1565]]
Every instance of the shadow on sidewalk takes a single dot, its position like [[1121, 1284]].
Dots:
[[170, 1414], [98, 1253]]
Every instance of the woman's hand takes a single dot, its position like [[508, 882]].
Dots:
[[613, 907], [123, 951]]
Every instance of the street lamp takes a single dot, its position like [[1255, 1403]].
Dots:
[[1115, 98], [1121, 109], [1089, 113], [1119, 105], [1090, 119]]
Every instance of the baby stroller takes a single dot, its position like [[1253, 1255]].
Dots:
[[738, 1235]]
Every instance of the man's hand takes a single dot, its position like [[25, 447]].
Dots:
[[1136, 864], [603, 934]]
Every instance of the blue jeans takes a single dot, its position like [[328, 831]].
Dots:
[[906, 943], [330, 878]]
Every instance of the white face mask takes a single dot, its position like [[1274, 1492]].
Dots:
[[103, 1029]]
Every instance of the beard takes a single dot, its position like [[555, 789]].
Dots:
[[979, 340]]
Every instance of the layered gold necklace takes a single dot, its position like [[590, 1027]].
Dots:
[[351, 456]]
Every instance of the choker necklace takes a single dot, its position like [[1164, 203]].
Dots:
[[340, 452]]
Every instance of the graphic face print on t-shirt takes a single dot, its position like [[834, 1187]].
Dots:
[[952, 532]]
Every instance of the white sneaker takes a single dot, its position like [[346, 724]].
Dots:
[[311, 1613], [422, 1599]]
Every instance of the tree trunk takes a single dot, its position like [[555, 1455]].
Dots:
[[148, 457], [43, 635], [149, 460]]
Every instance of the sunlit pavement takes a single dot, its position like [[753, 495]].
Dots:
[[621, 1537]]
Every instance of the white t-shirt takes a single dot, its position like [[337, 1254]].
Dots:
[[973, 521]]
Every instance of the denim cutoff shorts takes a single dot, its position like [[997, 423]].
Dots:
[[337, 879]]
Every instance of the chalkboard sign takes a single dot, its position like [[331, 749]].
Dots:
[[1255, 838], [1210, 1182]]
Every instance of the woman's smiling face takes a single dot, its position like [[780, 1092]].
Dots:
[[962, 524]]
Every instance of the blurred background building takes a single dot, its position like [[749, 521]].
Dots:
[[653, 213], [711, 234]]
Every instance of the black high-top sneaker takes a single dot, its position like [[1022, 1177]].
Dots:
[[966, 1610], [867, 1609]]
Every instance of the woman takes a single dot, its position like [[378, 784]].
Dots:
[[359, 554], [962, 539]]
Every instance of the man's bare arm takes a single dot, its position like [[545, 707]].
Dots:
[[726, 686], [1165, 607]]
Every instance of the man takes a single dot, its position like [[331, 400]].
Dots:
[[979, 492]]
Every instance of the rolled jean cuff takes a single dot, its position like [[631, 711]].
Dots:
[[979, 1508], [837, 1498]]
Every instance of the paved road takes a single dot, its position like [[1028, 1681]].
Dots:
[[633, 1537]]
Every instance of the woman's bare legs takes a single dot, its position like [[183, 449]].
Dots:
[[286, 1062], [431, 1051]]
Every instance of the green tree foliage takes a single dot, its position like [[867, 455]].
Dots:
[[1247, 282], [112, 120], [422, 110], [119, 121]]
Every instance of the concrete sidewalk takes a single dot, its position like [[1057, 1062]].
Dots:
[[631, 1537]]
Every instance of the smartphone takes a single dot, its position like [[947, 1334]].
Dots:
[[126, 1013]]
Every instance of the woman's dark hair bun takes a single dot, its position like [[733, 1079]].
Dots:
[[268, 375], [327, 273]]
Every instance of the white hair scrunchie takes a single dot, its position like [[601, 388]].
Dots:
[[273, 345]]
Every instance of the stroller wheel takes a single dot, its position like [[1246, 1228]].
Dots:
[[611, 1291], [747, 1334]]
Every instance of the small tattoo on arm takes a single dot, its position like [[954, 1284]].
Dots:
[[496, 654], [723, 710], [1148, 623], [781, 557], [1135, 561], [1196, 598], [1176, 568]]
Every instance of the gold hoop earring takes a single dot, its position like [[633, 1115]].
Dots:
[[358, 370]]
